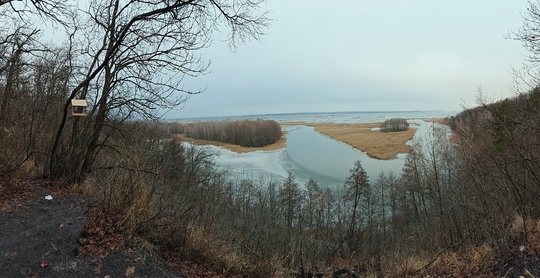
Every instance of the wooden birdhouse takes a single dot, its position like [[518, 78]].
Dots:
[[79, 107]]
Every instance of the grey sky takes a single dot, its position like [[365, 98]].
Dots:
[[354, 55]]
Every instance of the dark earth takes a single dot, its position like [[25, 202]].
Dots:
[[64, 237]]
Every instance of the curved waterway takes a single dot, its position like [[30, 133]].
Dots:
[[314, 152], [309, 155]]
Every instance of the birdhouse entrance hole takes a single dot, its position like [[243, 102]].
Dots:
[[79, 107]]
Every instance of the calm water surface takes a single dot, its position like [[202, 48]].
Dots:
[[311, 155], [314, 152]]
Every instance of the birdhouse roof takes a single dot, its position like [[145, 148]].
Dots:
[[79, 102]]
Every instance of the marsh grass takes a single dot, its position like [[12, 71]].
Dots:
[[364, 137]]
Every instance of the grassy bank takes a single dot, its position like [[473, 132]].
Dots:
[[380, 145]]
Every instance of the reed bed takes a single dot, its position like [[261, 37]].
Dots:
[[364, 137]]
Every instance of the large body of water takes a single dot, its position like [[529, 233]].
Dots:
[[311, 155], [336, 117]]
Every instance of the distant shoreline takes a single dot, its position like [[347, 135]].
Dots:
[[361, 136], [279, 115]]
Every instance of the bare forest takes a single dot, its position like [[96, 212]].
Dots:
[[468, 206], [245, 133]]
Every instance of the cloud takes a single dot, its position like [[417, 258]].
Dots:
[[364, 55]]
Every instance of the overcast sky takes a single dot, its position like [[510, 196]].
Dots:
[[356, 55]]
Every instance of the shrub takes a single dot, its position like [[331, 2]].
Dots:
[[394, 125]]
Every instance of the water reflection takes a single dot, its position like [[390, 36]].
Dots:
[[331, 159], [311, 155]]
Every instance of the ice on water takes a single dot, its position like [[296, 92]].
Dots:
[[311, 155]]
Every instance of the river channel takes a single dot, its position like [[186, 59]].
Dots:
[[310, 155]]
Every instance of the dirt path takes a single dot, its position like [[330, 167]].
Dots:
[[42, 238]]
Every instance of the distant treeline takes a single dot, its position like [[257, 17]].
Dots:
[[246, 133], [519, 110]]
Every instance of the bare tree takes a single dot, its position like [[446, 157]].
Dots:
[[21, 41], [529, 34], [24, 10], [30, 12], [20, 122], [136, 66], [357, 185]]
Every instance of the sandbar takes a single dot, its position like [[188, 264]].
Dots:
[[366, 137]]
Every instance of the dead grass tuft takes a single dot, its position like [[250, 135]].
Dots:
[[130, 199], [30, 168], [140, 210], [468, 259], [516, 228], [223, 257], [529, 242], [87, 188], [410, 264]]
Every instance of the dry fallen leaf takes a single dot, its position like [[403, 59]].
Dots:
[[130, 270]]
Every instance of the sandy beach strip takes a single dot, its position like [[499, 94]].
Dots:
[[380, 145]]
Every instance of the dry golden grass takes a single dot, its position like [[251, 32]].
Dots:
[[29, 168], [208, 248], [280, 144], [468, 258], [460, 263], [527, 232], [411, 264], [380, 145]]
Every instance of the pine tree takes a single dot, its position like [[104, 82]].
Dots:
[[357, 186]]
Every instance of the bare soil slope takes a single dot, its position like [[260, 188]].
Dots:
[[42, 238]]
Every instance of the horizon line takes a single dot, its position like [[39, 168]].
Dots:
[[301, 113]]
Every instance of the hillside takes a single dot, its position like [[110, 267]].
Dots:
[[69, 236]]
